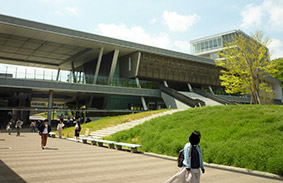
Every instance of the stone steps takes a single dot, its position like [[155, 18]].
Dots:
[[125, 126]]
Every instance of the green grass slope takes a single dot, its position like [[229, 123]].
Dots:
[[108, 122], [248, 136]]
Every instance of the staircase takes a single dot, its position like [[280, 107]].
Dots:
[[208, 101], [99, 134]]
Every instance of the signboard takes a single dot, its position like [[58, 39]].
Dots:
[[87, 132]]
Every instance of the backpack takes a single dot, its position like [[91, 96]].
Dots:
[[181, 158]]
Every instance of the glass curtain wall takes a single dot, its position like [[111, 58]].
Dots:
[[206, 45]]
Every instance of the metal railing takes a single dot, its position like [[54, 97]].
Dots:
[[212, 97], [181, 97], [20, 72]]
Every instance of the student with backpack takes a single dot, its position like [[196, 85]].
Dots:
[[190, 159]]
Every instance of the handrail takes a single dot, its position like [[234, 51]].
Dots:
[[213, 97], [181, 97]]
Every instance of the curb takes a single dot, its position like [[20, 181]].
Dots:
[[223, 167]]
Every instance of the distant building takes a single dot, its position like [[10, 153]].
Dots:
[[209, 47]]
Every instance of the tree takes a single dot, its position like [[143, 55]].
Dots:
[[278, 66], [245, 63]]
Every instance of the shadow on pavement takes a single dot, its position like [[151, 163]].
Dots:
[[50, 148], [8, 175]]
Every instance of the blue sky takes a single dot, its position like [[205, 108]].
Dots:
[[163, 23]]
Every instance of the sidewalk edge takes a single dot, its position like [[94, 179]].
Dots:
[[224, 167]]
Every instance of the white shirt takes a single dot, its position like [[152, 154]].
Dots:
[[45, 131], [60, 125]]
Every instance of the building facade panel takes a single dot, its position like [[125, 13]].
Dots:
[[162, 68]]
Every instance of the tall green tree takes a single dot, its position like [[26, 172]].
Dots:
[[246, 62], [278, 66]]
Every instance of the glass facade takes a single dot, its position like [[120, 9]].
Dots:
[[206, 45], [229, 38], [212, 43]]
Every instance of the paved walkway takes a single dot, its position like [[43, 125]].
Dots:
[[125, 126], [68, 161]]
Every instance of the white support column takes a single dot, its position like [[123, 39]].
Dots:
[[138, 64], [58, 74], [210, 90], [113, 66], [190, 87], [165, 83], [84, 77], [80, 77], [98, 65], [144, 104], [73, 71], [142, 98], [138, 82], [50, 100]]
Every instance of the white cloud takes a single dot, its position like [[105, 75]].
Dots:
[[59, 13], [57, 1], [67, 10], [134, 34], [252, 14], [183, 45], [275, 10], [177, 22], [276, 48], [153, 21], [72, 10]]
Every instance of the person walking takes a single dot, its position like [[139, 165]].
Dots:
[[44, 129], [18, 126], [192, 163], [77, 130], [33, 125], [60, 128], [9, 126]]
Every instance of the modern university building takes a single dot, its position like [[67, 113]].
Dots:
[[209, 47], [50, 68]]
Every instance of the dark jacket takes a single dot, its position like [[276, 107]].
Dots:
[[78, 129], [42, 126]]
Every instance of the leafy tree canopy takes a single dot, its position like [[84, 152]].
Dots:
[[278, 66], [245, 62]]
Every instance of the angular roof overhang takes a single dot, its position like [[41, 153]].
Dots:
[[29, 43]]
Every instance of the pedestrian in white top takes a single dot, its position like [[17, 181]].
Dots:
[[18, 126], [44, 129], [60, 128]]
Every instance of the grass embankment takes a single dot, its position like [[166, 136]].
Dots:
[[248, 136], [108, 122]]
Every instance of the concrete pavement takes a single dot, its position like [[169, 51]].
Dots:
[[22, 160]]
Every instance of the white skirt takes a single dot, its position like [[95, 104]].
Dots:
[[180, 177]]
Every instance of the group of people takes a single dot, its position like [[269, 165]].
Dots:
[[18, 126], [192, 161], [45, 128]]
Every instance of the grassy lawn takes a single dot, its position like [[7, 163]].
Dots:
[[248, 136], [108, 122]]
